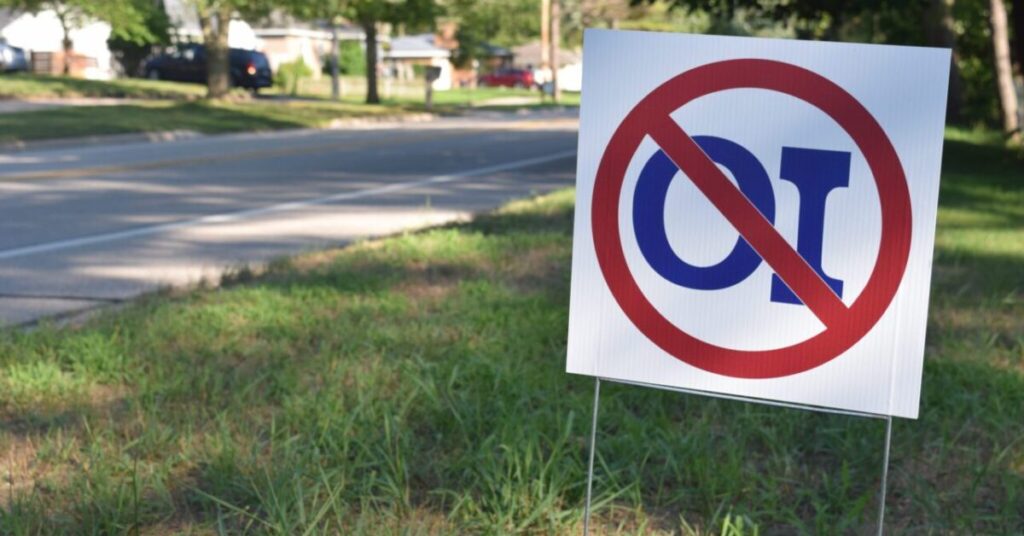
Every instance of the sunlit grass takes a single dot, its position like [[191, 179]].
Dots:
[[415, 385]]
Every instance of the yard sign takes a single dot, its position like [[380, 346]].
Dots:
[[756, 217]]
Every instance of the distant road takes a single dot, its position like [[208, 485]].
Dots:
[[86, 227]]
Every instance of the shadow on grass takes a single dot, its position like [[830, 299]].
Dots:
[[983, 177]]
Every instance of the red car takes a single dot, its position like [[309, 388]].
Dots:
[[508, 78]]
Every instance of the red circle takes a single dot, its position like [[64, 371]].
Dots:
[[869, 137]]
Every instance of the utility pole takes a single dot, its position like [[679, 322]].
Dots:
[[545, 34], [556, 38], [335, 61]]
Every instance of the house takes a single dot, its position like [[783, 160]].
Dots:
[[570, 65], [185, 26], [283, 44], [281, 37], [42, 37], [409, 54], [284, 39]]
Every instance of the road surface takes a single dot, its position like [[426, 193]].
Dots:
[[86, 227]]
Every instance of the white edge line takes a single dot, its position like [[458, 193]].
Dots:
[[229, 217]]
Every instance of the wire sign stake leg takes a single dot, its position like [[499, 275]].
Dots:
[[590, 463], [885, 474]]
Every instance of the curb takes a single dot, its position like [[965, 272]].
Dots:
[[113, 139], [337, 124], [177, 135]]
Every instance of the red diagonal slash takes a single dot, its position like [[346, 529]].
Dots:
[[801, 278]]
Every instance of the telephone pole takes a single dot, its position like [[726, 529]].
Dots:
[[556, 38], [545, 34]]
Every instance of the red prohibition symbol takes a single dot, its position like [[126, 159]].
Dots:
[[844, 326]]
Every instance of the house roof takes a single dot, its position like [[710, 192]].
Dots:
[[280, 23], [416, 46], [182, 15], [345, 33], [495, 51], [7, 16], [530, 54]]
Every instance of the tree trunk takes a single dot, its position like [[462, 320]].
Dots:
[[370, 28], [556, 39], [66, 44], [939, 32], [1017, 8], [1018, 34], [69, 52], [215, 23], [1004, 72], [545, 34], [835, 26], [335, 61]]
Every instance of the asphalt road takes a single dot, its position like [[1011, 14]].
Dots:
[[80, 228]]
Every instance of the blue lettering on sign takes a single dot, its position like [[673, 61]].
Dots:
[[649, 216], [814, 172]]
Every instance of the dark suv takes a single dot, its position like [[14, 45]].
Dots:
[[249, 69]]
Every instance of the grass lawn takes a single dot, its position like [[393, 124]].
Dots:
[[201, 116], [214, 117], [491, 97], [412, 92], [415, 385], [25, 86], [163, 106]]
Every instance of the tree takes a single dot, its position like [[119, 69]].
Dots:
[[481, 23], [214, 21], [1017, 10], [939, 28], [131, 44], [966, 26], [368, 14], [556, 43], [578, 15], [484, 25], [1003, 69], [330, 11], [125, 16]]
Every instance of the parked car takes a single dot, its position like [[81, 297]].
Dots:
[[508, 78], [249, 69], [12, 58]]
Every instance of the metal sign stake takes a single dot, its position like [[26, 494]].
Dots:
[[590, 464], [885, 474], [593, 440]]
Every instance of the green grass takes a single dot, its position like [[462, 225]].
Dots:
[[201, 116], [22, 86], [415, 385], [165, 106], [411, 92], [211, 117], [489, 98]]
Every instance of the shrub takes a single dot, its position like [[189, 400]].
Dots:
[[352, 59], [290, 74]]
